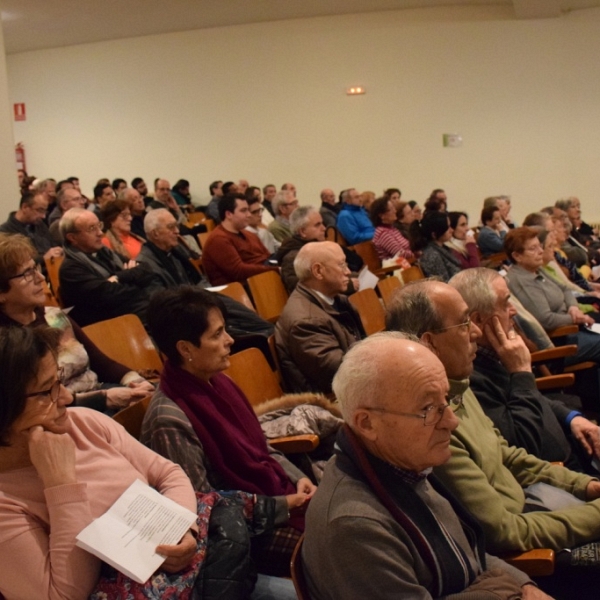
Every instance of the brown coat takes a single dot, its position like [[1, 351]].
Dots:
[[312, 337]]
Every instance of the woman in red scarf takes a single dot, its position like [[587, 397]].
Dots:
[[201, 420]]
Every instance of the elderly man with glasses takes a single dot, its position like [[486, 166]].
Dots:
[[93, 279], [521, 501], [381, 525]]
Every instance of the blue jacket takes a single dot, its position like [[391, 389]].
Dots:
[[354, 224]]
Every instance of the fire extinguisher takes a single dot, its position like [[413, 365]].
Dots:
[[20, 155]]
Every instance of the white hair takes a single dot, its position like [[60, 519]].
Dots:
[[153, 218], [358, 381]]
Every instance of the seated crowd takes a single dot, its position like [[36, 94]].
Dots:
[[444, 463]]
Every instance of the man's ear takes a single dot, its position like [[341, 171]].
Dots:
[[427, 339], [317, 271], [363, 425], [478, 319], [69, 238]]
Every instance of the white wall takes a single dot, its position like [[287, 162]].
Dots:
[[8, 169], [266, 102]]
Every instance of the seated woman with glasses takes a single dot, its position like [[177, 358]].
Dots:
[[116, 217], [201, 420], [96, 381], [61, 469], [551, 303]]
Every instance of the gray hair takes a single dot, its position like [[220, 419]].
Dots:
[[412, 311], [122, 195], [41, 186], [564, 203], [303, 265], [475, 287], [153, 218], [344, 195], [67, 222], [358, 381], [280, 198], [60, 195], [300, 217]]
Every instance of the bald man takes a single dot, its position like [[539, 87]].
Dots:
[[318, 324], [380, 525], [328, 208]]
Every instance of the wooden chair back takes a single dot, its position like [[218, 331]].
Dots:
[[196, 217], [332, 234], [269, 294], [210, 224], [413, 274], [125, 340], [50, 297], [386, 288], [202, 237], [52, 267], [372, 314], [131, 417], [366, 250], [236, 291], [252, 373], [297, 569]]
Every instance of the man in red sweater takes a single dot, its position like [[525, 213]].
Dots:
[[230, 253]]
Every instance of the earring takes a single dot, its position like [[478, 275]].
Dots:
[[189, 359]]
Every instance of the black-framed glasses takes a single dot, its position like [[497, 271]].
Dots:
[[432, 415], [466, 325], [29, 274], [258, 211], [52, 393]]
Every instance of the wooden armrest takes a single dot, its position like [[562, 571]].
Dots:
[[555, 381], [552, 353], [564, 330], [533, 562], [580, 367], [295, 443]]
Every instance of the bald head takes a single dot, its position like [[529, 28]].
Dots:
[[384, 384], [328, 196], [322, 267]]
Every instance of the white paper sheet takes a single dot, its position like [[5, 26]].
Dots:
[[126, 535]]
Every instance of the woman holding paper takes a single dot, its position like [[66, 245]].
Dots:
[[59, 470]]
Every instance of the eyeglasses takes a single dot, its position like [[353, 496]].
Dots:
[[258, 211], [432, 415], [125, 215], [466, 325], [52, 393], [29, 274], [91, 229], [172, 227]]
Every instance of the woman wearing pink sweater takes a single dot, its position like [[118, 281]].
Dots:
[[61, 469]]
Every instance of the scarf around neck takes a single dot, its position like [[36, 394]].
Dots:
[[229, 431], [446, 560]]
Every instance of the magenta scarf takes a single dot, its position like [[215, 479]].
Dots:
[[229, 431]]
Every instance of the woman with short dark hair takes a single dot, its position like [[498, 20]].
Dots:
[[116, 218], [201, 420], [429, 236], [491, 236], [388, 240]]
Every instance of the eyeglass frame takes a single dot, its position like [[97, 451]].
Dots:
[[28, 274], [91, 229], [53, 390], [453, 405], [466, 324]]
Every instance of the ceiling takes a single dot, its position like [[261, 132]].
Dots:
[[39, 24]]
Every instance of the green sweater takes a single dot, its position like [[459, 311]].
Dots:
[[488, 476]]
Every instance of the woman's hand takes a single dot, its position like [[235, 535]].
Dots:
[[53, 456], [121, 397], [305, 490], [178, 557], [142, 386]]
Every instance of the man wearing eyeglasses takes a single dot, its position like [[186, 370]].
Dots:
[[504, 383], [93, 279], [381, 525], [29, 221], [284, 204], [255, 224], [521, 501]]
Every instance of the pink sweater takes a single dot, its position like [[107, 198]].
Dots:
[[38, 556], [389, 241]]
